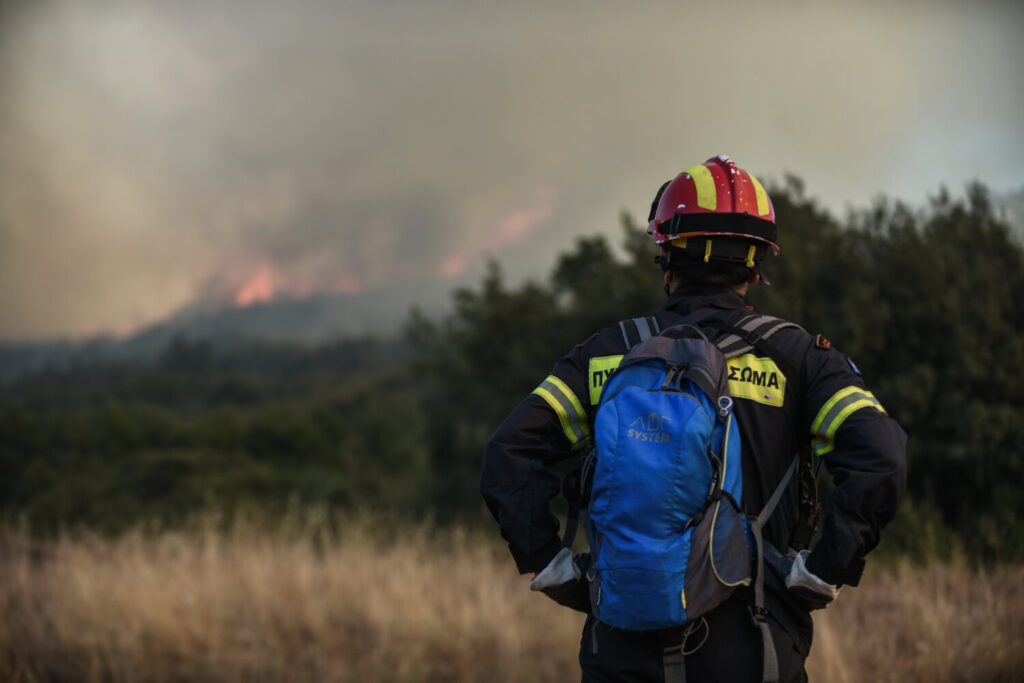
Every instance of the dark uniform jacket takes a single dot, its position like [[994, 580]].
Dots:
[[826, 402]]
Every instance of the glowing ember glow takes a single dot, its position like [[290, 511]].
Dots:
[[263, 286], [516, 227], [512, 229], [455, 265]]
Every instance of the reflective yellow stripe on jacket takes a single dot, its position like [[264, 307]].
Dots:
[[843, 403], [568, 408]]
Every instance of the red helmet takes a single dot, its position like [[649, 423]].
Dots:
[[716, 199]]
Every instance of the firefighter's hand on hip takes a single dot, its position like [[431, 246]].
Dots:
[[562, 580], [812, 590]]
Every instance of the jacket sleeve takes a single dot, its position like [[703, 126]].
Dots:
[[864, 450], [518, 481]]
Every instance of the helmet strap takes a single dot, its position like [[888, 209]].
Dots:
[[664, 259]]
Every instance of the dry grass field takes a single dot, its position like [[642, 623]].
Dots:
[[298, 604]]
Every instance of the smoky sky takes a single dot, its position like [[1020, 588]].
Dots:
[[158, 154]]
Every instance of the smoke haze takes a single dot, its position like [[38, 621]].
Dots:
[[159, 155]]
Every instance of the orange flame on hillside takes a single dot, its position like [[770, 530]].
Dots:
[[263, 286], [268, 283]]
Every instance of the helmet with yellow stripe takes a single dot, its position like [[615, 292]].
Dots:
[[714, 211]]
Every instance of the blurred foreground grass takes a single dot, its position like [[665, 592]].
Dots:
[[373, 601]]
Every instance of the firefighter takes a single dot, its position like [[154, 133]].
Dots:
[[715, 225]]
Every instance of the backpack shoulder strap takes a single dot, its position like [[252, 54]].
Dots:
[[761, 328], [638, 330], [770, 666], [745, 334], [755, 332]]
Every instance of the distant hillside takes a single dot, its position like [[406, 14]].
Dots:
[[313, 320]]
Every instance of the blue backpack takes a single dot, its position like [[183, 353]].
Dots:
[[668, 538], [663, 485]]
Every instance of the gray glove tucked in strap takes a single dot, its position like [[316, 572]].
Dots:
[[562, 580], [813, 591]]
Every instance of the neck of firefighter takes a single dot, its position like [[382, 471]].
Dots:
[[672, 284]]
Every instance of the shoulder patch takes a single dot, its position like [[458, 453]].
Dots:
[[756, 379], [822, 343], [598, 372]]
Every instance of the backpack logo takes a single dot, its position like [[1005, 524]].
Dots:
[[654, 428]]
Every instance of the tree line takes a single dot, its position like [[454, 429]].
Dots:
[[921, 299]]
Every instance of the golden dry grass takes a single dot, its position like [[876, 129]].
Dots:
[[292, 604], [924, 624]]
